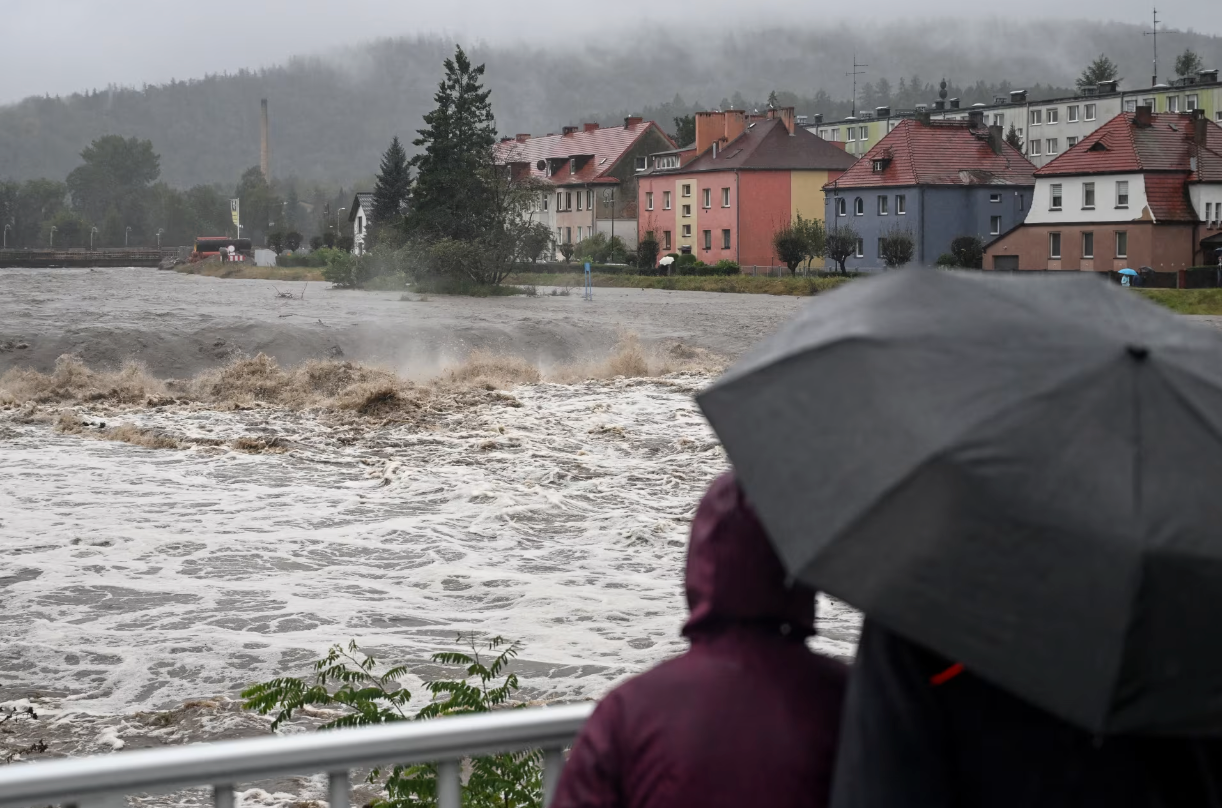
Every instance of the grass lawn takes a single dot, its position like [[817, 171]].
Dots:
[[1187, 301], [747, 284]]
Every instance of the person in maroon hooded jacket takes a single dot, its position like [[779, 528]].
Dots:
[[748, 716]]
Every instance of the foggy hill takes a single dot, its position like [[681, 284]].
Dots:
[[333, 115]]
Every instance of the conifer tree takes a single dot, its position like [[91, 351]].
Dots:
[[1101, 69], [393, 186], [450, 197], [1012, 137]]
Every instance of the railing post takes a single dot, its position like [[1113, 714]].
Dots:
[[553, 765], [222, 795], [339, 790], [449, 784]]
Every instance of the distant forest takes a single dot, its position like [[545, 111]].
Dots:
[[333, 116]]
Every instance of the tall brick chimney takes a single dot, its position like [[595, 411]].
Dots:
[[589, 127], [1200, 128], [632, 120], [996, 139], [523, 137], [1143, 118], [785, 114]]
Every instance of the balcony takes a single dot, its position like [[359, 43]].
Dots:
[[103, 781]]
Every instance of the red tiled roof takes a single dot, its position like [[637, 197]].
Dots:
[[600, 150], [1167, 197], [938, 153], [768, 145], [1120, 146]]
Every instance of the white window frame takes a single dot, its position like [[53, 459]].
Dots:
[[666, 200], [666, 241], [687, 211], [1033, 147], [995, 198], [1173, 103], [901, 205], [859, 206], [1130, 105], [725, 239], [579, 196], [850, 134], [649, 200], [842, 206], [860, 252], [725, 197], [707, 198], [1122, 185], [1054, 238], [1037, 117], [884, 206], [1091, 234], [685, 190], [1071, 113], [1088, 188], [1122, 234], [1191, 102], [687, 231], [1090, 112], [1152, 103], [994, 225], [708, 240], [1052, 115], [1051, 146], [1056, 196], [1070, 142]]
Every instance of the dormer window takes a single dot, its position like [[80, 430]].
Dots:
[[573, 165], [880, 165]]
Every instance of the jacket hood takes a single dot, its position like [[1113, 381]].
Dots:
[[733, 574]]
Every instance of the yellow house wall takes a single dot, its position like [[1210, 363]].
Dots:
[[806, 197]]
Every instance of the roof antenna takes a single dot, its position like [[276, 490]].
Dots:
[[855, 73], [1154, 32]]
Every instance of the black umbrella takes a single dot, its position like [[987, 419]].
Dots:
[[1024, 474]]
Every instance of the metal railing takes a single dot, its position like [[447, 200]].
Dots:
[[103, 781]]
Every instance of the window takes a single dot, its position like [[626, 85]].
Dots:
[[1191, 103], [1152, 103], [559, 200], [1052, 116], [568, 200], [666, 239], [579, 235], [999, 119], [687, 210], [1070, 142], [1218, 116], [725, 239], [1209, 212], [1037, 117], [1054, 245], [1088, 196], [560, 234], [1051, 146], [880, 248], [1130, 105], [708, 198], [859, 207], [835, 134], [568, 235], [1088, 245], [1122, 194], [861, 248], [545, 199], [579, 195], [1173, 103], [649, 200], [725, 197], [687, 190], [708, 239], [666, 200], [1071, 113], [901, 206], [994, 198], [641, 163], [995, 225], [590, 200], [883, 206], [1054, 193], [687, 231], [1090, 112], [1033, 147], [841, 207], [1122, 244], [850, 134]]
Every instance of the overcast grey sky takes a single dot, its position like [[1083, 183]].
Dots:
[[62, 46]]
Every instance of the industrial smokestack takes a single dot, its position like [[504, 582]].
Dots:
[[264, 150]]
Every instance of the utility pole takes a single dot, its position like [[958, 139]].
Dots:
[[126, 233], [1153, 33], [855, 73]]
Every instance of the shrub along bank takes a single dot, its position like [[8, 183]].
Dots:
[[742, 284]]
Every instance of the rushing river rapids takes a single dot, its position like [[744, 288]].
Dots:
[[167, 543]]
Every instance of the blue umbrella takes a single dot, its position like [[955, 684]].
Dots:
[[1127, 271]]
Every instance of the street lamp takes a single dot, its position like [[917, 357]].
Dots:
[[7, 227], [160, 230], [91, 232], [53, 229], [126, 233]]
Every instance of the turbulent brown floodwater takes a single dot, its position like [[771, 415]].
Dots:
[[175, 530]]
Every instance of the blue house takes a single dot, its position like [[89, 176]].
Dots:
[[937, 179]]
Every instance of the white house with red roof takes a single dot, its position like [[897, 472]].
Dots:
[[938, 180], [587, 175], [1144, 190]]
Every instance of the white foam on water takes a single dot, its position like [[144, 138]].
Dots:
[[141, 578]]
